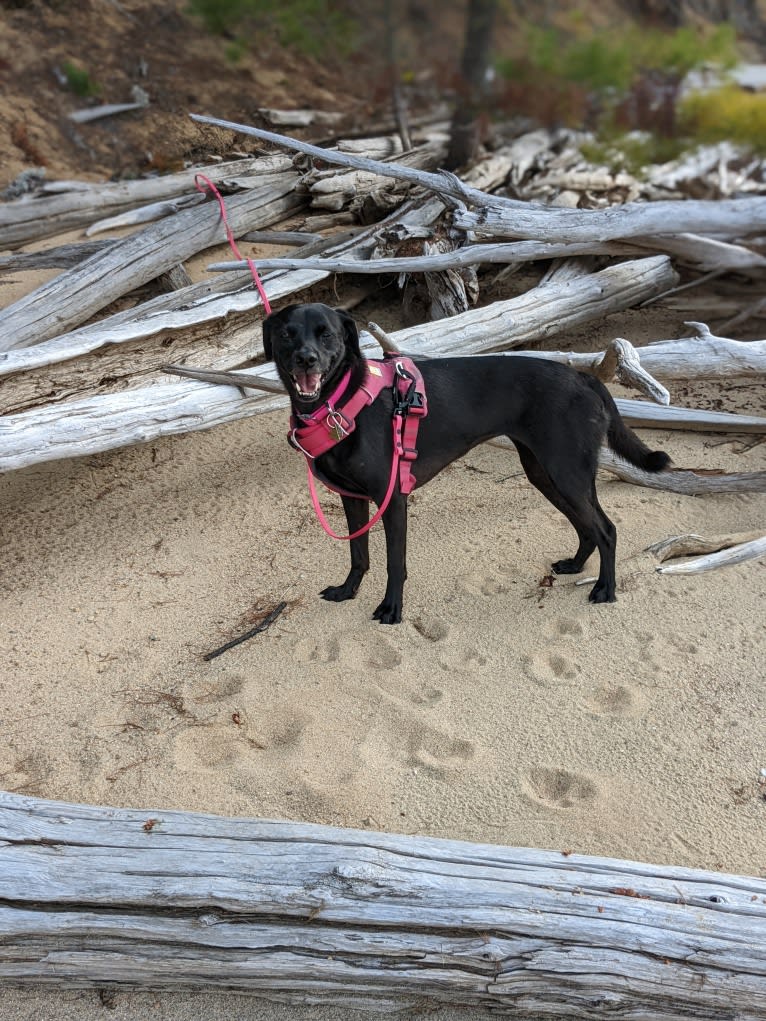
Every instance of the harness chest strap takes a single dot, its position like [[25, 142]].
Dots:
[[317, 433]]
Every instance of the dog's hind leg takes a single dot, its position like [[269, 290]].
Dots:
[[395, 525], [573, 492], [357, 516], [605, 537]]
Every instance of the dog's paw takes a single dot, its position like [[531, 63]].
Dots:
[[388, 612], [339, 593], [600, 593], [568, 566]]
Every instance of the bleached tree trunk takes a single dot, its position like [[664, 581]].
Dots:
[[307, 914]]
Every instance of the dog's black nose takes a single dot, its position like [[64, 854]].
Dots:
[[306, 359]]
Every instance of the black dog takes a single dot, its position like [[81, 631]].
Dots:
[[557, 418]]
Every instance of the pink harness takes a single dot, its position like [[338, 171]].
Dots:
[[317, 433]]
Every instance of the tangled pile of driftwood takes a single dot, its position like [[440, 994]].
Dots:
[[77, 380], [346, 916]]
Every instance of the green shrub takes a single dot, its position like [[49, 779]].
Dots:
[[611, 60], [727, 113], [79, 80], [632, 152], [618, 80], [306, 25]]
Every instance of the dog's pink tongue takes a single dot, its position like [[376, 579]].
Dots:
[[308, 382]]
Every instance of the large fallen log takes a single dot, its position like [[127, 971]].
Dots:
[[703, 253], [309, 914], [541, 312], [61, 257], [721, 219], [685, 481], [79, 428], [656, 416], [76, 294], [702, 357], [85, 427]]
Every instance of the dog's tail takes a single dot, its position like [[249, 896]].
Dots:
[[622, 440]]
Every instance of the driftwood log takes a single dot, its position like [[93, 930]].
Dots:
[[80, 428], [686, 481], [93, 896], [691, 544], [692, 250], [69, 205], [117, 419], [702, 357], [76, 294], [754, 549]]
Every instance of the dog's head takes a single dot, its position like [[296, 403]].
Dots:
[[312, 346]]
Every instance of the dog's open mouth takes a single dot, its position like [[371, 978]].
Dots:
[[308, 384]]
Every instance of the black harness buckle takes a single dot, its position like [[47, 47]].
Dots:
[[409, 399]]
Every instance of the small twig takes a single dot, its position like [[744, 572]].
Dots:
[[266, 622], [239, 379], [752, 311], [388, 344], [704, 279], [95, 112]]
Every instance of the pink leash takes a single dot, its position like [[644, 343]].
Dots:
[[207, 185], [380, 511]]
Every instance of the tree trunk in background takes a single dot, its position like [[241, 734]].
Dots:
[[464, 135]]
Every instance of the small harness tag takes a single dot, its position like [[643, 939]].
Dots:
[[337, 425]]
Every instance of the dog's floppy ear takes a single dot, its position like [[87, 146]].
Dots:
[[351, 333]]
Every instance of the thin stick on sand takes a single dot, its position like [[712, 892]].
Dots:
[[261, 626]]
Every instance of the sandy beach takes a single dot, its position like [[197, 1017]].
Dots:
[[500, 710]]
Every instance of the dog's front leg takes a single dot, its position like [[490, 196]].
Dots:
[[357, 516], [395, 525]]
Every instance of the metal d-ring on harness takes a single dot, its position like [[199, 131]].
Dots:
[[320, 431]]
